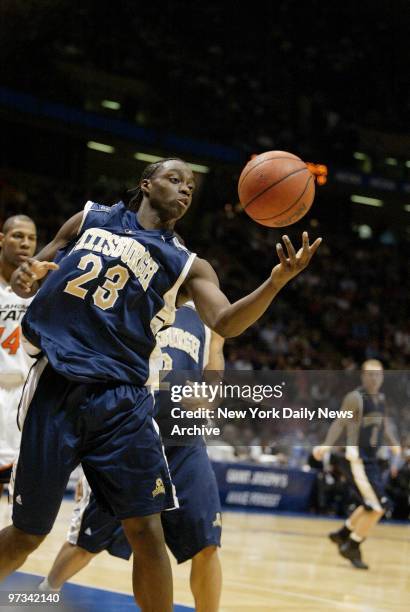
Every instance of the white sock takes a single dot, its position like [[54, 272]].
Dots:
[[356, 538], [45, 586], [349, 525]]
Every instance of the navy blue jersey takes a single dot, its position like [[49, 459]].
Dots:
[[371, 424], [97, 316], [184, 347]]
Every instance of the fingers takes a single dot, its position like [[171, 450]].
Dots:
[[26, 269], [290, 249], [30, 271], [281, 254], [41, 268], [50, 265], [317, 453], [25, 277], [315, 246], [310, 248], [302, 257]]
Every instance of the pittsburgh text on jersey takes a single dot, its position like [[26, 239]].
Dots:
[[131, 252]]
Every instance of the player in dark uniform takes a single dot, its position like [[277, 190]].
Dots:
[[365, 435], [113, 286], [193, 531]]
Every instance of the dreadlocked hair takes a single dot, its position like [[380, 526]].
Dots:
[[147, 173]]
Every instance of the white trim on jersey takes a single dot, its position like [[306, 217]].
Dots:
[[78, 513], [86, 210], [29, 389], [207, 345], [164, 317], [174, 492]]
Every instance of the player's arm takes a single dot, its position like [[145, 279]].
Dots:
[[25, 281], [390, 435], [351, 403], [216, 360], [230, 320], [213, 373], [395, 447], [214, 369]]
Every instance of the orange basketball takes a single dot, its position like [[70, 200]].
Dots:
[[276, 188]]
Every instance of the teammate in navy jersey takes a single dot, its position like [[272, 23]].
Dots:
[[95, 318], [193, 531], [365, 435]]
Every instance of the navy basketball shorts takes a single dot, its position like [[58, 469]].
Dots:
[[195, 525], [96, 530], [366, 478], [108, 428]]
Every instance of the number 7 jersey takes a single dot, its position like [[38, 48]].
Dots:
[[97, 316]]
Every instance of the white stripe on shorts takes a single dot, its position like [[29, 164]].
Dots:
[[362, 482], [29, 389], [174, 492]]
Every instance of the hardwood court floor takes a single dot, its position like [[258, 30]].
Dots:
[[272, 563]]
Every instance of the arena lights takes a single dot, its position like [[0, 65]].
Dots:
[[360, 156], [364, 231], [111, 104], [407, 164], [407, 207], [199, 168], [147, 157], [391, 161], [358, 199], [100, 146]]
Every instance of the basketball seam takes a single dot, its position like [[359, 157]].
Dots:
[[265, 160], [274, 185], [291, 206]]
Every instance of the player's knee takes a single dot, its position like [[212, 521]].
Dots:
[[144, 529], [375, 511], [83, 554], [23, 542]]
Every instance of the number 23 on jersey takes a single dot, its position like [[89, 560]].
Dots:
[[105, 295]]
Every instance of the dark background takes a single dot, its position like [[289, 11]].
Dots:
[[214, 83]]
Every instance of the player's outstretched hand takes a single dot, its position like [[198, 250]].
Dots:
[[28, 273], [291, 263], [319, 452]]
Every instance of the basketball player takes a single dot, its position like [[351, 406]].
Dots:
[[114, 283], [18, 243], [193, 531], [364, 436]]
